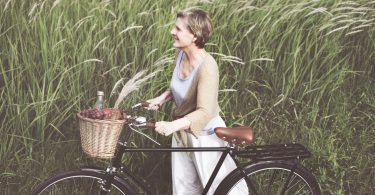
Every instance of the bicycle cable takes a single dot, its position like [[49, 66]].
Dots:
[[148, 137]]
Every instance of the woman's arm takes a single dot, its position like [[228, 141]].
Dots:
[[207, 97]]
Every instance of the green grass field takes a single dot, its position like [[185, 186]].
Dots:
[[295, 70]]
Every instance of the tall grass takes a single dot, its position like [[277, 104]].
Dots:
[[297, 71]]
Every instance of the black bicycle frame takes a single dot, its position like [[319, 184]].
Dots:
[[256, 153], [123, 148]]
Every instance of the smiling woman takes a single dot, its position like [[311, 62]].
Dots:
[[194, 88], [195, 25]]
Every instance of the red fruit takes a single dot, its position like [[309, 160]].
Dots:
[[117, 114], [112, 113], [107, 110], [107, 113], [94, 114], [84, 113]]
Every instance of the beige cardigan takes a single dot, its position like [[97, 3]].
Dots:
[[200, 103]]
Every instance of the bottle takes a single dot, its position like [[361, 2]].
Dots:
[[99, 102]]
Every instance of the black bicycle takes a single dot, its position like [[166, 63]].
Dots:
[[269, 169]]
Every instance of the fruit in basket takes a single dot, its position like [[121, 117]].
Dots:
[[84, 113], [103, 114], [92, 113], [112, 113]]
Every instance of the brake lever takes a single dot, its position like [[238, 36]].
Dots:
[[142, 104], [137, 106]]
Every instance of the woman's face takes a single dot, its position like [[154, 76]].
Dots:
[[182, 37]]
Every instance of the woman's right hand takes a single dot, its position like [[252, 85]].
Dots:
[[154, 104]]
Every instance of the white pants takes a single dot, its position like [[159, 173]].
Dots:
[[192, 170]]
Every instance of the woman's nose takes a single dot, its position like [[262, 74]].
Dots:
[[173, 32]]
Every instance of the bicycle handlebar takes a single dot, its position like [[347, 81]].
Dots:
[[135, 121], [150, 125], [139, 121], [145, 104], [142, 104]]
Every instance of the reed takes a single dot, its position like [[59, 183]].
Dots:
[[297, 71]]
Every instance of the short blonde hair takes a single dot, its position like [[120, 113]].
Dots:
[[198, 23]]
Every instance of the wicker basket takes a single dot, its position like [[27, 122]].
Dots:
[[99, 137]]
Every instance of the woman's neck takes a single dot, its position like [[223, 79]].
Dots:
[[194, 54]]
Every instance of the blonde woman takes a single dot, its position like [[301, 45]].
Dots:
[[194, 89]]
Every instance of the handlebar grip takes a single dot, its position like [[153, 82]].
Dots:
[[150, 125], [145, 104]]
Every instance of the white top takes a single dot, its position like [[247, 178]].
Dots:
[[179, 88]]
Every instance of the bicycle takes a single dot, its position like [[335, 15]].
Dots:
[[272, 169]]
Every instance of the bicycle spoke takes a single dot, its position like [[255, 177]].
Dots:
[[287, 183], [92, 186], [243, 187], [298, 185], [274, 175]]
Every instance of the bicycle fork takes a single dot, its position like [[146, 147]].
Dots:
[[110, 172], [117, 167], [105, 185]]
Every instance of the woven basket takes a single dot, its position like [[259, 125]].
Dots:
[[99, 137]]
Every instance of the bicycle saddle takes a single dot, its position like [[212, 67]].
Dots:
[[235, 135]]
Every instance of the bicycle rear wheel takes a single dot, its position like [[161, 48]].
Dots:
[[80, 182], [274, 177]]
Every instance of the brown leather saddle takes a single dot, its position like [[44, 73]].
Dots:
[[235, 135]]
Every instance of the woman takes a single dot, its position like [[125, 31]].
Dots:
[[194, 88]]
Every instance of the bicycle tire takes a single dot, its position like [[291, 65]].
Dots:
[[270, 177], [81, 182]]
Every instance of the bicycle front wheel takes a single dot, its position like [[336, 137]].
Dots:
[[80, 182], [273, 177]]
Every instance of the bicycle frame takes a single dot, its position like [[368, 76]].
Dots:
[[260, 153], [123, 148]]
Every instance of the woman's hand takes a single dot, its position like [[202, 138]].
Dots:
[[154, 104], [167, 128]]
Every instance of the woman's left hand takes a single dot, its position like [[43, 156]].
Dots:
[[165, 128]]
